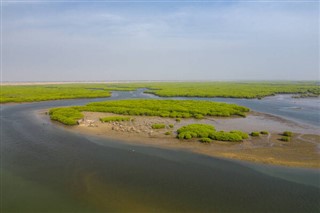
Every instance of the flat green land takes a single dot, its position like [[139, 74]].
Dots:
[[229, 89], [32, 93], [162, 108]]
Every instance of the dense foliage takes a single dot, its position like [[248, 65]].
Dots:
[[115, 118], [66, 116], [29, 93], [166, 108], [206, 131], [263, 132]]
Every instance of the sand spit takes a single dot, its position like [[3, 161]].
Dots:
[[302, 151]]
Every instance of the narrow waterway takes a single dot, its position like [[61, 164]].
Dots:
[[47, 169]]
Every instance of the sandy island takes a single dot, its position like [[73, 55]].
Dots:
[[302, 151]]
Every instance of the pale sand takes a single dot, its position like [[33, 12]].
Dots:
[[302, 151]]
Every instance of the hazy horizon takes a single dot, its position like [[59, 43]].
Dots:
[[160, 41]]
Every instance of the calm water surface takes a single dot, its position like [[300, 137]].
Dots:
[[47, 169]]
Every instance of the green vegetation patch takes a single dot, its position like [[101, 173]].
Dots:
[[242, 134], [287, 133], [115, 118], [263, 132], [163, 108], [205, 140], [255, 134], [228, 89], [30, 93], [226, 136], [158, 126], [285, 138], [207, 133], [68, 116], [167, 108], [195, 131]]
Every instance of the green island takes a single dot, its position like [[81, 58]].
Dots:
[[31, 93], [141, 107]]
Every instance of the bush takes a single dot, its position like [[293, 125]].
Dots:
[[205, 140], [195, 131], [171, 125], [285, 138], [225, 136], [158, 126], [255, 134], [114, 118], [287, 133], [178, 119], [263, 132], [168, 133], [242, 134]]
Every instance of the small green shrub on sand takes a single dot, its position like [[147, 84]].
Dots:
[[263, 132], [205, 140], [255, 134], [114, 118], [287, 133], [171, 125], [178, 119], [168, 133], [158, 126], [285, 138]]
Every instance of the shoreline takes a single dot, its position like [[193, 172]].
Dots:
[[302, 152]]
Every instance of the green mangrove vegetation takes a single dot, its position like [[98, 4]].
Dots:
[[166, 108], [115, 118], [30, 93], [67, 116], [255, 134], [263, 132], [207, 132], [205, 140], [287, 133], [285, 138], [158, 126], [227, 89], [162, 108]]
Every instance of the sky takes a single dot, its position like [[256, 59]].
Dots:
[[159, 40]]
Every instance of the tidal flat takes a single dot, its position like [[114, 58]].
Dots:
[[302, 151]]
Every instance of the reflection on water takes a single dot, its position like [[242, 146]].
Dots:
[[46, 169]]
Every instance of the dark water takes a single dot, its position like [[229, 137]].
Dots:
[[47, 169]]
